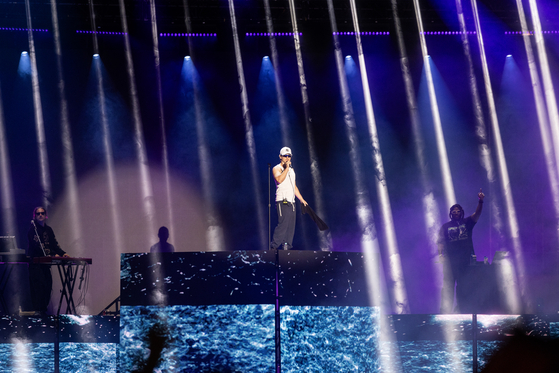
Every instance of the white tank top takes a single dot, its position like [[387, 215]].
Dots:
[[286, 190]]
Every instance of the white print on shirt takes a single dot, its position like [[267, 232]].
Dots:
[[457, 233]]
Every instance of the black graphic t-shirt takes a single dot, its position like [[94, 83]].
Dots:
[[456, 236]]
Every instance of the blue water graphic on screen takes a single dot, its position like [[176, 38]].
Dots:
[[88, 357], [209, 338], [26, 357], [329, 339]]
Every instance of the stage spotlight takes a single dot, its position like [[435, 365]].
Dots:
[[187, 58], [266, 57], [96, 55], [509, 55], [24, 67]]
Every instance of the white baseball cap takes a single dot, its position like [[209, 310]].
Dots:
[[285, 150]]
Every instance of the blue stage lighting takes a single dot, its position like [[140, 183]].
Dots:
[[189, 34], [96, 55], [24, 67], [101, 32], [362, 33], [509, 55]]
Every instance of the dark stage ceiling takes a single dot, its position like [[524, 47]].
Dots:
[[211, 15]]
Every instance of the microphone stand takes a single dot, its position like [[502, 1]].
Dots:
[[39, 238]]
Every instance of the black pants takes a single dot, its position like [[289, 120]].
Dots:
[[455, 267], [285, 230], [40, 283]]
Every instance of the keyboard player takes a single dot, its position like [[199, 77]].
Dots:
[[42, 242]]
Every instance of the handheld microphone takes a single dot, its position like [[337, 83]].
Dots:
[[33, 221]]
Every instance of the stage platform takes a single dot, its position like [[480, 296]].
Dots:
[[254, 311]]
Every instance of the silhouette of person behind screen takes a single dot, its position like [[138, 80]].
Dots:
[[162, 246]]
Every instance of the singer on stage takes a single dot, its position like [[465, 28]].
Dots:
[[286, 191], [42, 242]]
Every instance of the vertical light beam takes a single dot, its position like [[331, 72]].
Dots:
[[369, 239], [109, 161], [70, 180], [38, 111], [249, 134], [481, 129], [448, 186], [325, 237], [9, 226], [93, 27], [214, 231], [215, 240], [398, 287], [430, 206], [548, 140], [285, 137], [441, 147], [141, 156], [502, 165], [549, 91]]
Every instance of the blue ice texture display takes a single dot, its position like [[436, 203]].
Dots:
[[23, 357], [88, 357], [207, 338], [329, 339]]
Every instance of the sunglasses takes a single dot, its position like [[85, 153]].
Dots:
[[287, 155], [40, 213]]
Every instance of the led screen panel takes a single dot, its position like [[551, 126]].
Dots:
[[88, 343], [207, 338], [323, 279], [198, 278], [329, 339]]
